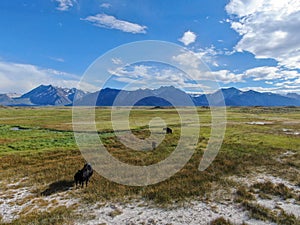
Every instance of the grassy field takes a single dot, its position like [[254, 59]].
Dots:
[[38, 144]]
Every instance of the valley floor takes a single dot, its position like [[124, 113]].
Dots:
[[255, 178]]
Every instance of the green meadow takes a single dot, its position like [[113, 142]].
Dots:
[[38, 144]]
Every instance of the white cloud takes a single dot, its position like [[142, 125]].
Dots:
[[226, 76], [275, 78], [57, 59], [189, 59], [21, 78], [142, 76], [280, 79], [192, 63], [278, 90], [270, 73], [105, 5], [134, 72], [260, 89], [269, 29], [65, 5], [289, 85], [196, 59], [196, 65], [111, 22], [188, 38], [116, 61], [152, 77], [220, 76]]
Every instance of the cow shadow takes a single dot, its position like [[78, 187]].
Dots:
[[58, 186]]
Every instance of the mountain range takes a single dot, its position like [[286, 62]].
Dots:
[[43, 95], [48, 95]]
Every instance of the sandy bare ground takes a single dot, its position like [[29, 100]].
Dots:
[[195, 212], [16, 200]]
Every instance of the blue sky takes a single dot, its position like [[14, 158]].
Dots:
[[246, 44]]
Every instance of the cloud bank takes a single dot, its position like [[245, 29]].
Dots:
[[21, 78], [269, 29]]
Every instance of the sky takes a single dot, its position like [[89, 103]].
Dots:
[[247, 44]]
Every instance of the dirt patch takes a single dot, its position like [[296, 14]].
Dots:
[[139, 212], [16, 201]]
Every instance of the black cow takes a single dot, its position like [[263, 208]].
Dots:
[[153, 145], [83, 175], [168, 130], [78, 177]]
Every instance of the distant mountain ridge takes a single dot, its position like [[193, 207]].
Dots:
[[236, 97], [163, 96], [43, 95], [293, 95], [48, 95]]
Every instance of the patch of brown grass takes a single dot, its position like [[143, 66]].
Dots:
[[58, 216], [115, 213], [274, 189], [242, 194], [220, 221], [261, 213]]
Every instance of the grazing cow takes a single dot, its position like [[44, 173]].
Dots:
[[78, 177], [168, 130], [83, 175], [153, 145]]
